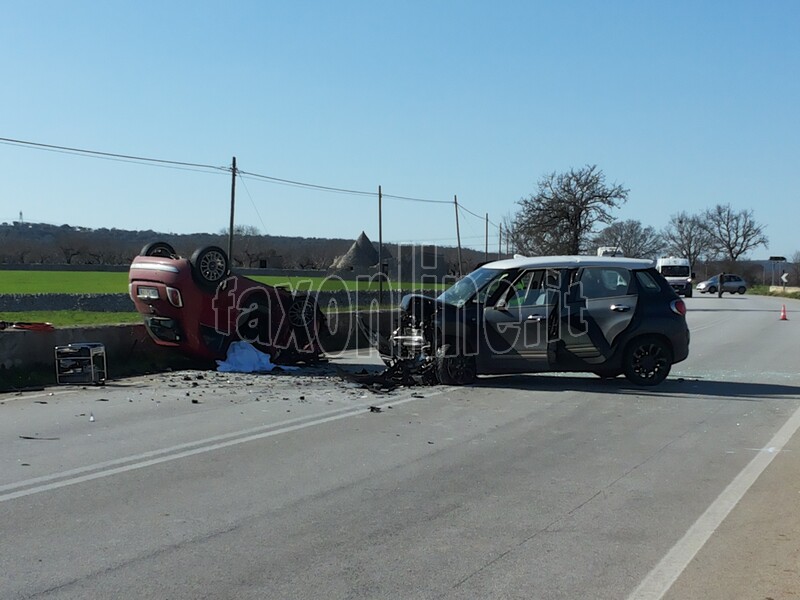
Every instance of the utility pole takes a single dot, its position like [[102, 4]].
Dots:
[[458, 235], [233, 204], [486, 240], [380, 247], [499, 240]]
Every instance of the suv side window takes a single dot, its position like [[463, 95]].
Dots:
[[604, 282], [647, 282], [492, 290], [534, 288]]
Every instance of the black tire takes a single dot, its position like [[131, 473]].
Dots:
[[712, 290], [647, 361], [455, 369], [688, 294], [210, 265], [741, 290], [162, 249]]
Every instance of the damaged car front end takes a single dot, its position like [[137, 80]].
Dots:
[[428, 341]]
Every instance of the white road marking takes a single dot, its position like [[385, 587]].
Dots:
[[154, 457], [667, 571]]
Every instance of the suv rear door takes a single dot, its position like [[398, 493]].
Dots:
[[601, 302]]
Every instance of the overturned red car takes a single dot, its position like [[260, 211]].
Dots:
[[200, 306]]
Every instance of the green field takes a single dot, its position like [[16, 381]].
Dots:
[[98, 282], [62, 282], [64, 318]]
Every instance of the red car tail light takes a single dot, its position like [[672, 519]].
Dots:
[[678, 306], [174, 297]]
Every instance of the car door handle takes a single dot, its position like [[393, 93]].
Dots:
[[620, 307], [535, 318]]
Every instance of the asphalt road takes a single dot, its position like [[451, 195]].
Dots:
[[205, 485]]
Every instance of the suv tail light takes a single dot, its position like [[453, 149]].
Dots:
[[678, 306]]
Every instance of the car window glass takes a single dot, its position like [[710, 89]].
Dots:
[[491, 290], [528, 290], [465, 289], [647, 282], [604, 282]]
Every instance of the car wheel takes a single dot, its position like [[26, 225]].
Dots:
[[688, 294], [210, 265], [647, 361], [741, 290], [456, 369], [302, 312], [712, 290], [162, 249]]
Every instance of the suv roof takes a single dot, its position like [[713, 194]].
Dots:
[[526, 262]]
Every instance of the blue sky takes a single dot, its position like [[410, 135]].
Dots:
[[687, 104]]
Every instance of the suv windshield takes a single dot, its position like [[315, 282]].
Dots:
[[463, 290], [675, 270]]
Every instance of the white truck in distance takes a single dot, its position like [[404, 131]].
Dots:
[[677, 272], [609, 251]]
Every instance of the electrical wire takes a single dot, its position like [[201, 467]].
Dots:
[[227, 169], [111, 155], [255, 208]]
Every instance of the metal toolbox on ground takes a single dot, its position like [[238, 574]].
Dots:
[[81, 363]]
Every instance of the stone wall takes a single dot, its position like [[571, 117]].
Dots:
[[337, 301], [56, 302]]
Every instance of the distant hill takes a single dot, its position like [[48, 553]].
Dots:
[[43, 243]]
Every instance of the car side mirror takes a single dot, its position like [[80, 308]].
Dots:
[[501, 304]]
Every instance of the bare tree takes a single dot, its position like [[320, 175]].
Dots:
[[733, 233], [795, 268], [634, 239], [561, 216], [72, 245], [686, 236]]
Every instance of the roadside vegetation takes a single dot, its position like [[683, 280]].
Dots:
[[763, 290]]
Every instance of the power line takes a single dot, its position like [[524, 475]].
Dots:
[[255, 208], [242, 174], [301, 184], [110, 155]]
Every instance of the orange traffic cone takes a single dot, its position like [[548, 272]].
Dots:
[[783, 313]]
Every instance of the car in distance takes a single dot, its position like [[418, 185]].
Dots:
[[604, 315], [733, 284], [200, 306]]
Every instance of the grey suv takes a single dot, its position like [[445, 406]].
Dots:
[[605, 315]]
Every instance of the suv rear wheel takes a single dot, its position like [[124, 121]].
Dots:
[[647, 361]]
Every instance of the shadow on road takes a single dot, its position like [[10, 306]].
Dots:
[[735, 390]]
